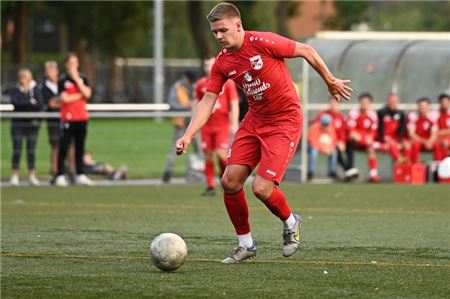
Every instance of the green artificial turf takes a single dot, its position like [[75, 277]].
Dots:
[[373, 241], [140, 144]]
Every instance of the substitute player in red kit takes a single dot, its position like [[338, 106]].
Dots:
[[442, 146], [362, 125], [223, 121], [271, 130], [422, 129]]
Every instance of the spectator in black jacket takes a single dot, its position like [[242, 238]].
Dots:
[[25, 97], [49, 89]]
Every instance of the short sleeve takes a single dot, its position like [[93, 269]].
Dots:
[[277, 45], [216, 79]]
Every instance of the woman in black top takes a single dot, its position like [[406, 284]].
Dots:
[[25, 97]]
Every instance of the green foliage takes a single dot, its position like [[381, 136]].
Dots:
[[412, 16], [111, 28], [348, 13]]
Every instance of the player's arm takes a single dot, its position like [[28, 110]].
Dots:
[[443, 132], [85, 90], [414, 136], [69, 98], [234, 115], [201, 114], [336, 87]]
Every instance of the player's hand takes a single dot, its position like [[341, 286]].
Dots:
[[338, 89], [182, 144]]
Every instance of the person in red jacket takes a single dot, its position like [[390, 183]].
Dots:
[[223, 122], [442, 146], [422, 129], [340, 127], [362, 130], [322, 139], [74, 92]]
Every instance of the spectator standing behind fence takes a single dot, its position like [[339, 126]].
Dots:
[[442, 147], [180, 98], [49, 90], [392, 129], [322, 139], [74, 93], [362, 125], [25, 97], [422, 129], [221, 125]]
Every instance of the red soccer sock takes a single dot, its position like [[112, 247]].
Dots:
[[237, 209], [394, 151], [209, 174], [439, 152], [222, 166], [278, 205], [373, 166]]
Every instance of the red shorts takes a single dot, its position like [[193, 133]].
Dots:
[[214, 138], [269, 144]]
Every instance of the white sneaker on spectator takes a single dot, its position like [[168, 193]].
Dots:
[[84, 180], [61, 181], [34, 181], [14, 180]]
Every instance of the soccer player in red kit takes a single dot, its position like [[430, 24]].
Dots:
[[362, 125], [422, 129], [216, 131], [271, 130], [442, 146], [391, 128]]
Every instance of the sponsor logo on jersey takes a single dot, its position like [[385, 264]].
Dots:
[[256, 62], [232, 73], [229, 153], [271, 172], [68, 84], [258, 97], [248, 77]]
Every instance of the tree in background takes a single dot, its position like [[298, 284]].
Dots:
[[14, 30]]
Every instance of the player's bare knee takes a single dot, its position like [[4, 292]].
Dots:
[[262, 191], [230, 185]]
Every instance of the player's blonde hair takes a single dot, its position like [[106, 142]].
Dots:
[[222, 11]]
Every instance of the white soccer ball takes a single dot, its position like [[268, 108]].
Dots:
[[168, 251]]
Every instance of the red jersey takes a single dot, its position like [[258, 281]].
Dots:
[[221, 110], [443, 121], [258, 68], [74, 111], [363, 122], [338, 123], [423, 126]]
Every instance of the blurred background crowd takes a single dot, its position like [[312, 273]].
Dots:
[[397, 54]]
